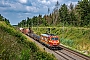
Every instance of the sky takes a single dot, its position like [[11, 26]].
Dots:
[[17, 10]]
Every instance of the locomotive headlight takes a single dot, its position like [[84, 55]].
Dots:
[[50, 41], [58, 41]]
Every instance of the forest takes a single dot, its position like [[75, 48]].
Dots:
[[63, 15]]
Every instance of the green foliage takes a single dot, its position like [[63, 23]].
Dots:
[[13, 32], [75, 37], [4, 19], [25, 55], [15, 46], [83, 9], [33, 47], [67, 42], [44, 55], [63, 12]]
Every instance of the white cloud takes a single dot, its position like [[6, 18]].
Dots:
[[23, 1], [31, 9], [17, 6], [44, 2], [54, 1], [28, 8], [20, 9]]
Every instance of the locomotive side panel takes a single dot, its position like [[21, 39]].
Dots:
[[49, 40], [44, 39]]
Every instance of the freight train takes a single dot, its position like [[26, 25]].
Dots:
[[50, 40]]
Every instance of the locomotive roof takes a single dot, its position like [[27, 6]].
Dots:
[[47, 35], [20, 28]]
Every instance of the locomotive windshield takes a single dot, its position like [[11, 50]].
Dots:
[[54, 38]]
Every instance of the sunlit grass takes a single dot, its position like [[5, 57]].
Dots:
[[75, 37], [15, 46]]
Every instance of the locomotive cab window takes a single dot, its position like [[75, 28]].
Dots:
[[54, 38]]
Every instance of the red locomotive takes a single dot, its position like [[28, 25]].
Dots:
[[51, 40]]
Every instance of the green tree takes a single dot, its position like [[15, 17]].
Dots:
[[64, 13], [4, 19], [1, 17], [84, 11], [72, 17]]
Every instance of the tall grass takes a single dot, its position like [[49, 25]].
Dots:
[[75, 37], [15, 46]]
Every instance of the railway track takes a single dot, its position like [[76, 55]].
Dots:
[[64, 56], [68, 54]]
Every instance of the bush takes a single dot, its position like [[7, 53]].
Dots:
[[25, 55], [44, 56], [14, 46]]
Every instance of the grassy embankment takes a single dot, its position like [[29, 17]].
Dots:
[[15, 46], [74, 37]]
